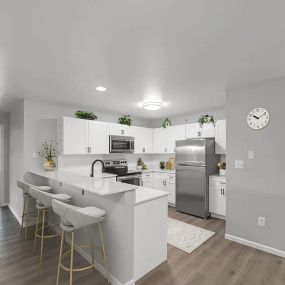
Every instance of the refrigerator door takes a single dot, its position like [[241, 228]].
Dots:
[[191, 188], [191, 151]]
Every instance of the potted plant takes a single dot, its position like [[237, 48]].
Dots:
[[85, 115], [49, 152], [166, 123], [162, 164], [222, 168], [206, 119], [125, 120], [140, 164]]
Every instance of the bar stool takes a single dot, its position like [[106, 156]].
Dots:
[[43, 204], [26, 203], [73, 218]]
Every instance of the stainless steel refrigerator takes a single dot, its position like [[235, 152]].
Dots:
[[195, 161]]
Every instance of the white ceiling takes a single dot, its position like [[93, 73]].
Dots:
[[183, 51]]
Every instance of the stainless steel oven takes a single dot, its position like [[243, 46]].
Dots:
[[134, 179], [122, 144]]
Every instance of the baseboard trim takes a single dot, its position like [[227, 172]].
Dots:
[[255, 245], [4, 205], [216, 216], [100, 268], [15, 214]]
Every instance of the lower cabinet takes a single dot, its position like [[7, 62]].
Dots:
[[217, 195], [147, 180], [166, 182]]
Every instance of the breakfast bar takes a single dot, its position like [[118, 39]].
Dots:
[[135, 230]]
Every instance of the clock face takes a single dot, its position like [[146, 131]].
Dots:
[[258, 118]]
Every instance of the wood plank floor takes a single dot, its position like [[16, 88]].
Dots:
[[216, 262]]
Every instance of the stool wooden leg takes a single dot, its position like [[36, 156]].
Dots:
[[104, 253], [92, 247], [42, 236], [23, 213], [60, 255], [37, 227], [71, 257], [26, 214]]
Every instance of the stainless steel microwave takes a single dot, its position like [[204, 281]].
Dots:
[[122, 144]]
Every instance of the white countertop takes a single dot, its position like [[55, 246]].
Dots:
[[97, 184], [159, 170], [218, 176], [144, 194]]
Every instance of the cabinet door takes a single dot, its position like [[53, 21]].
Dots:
[[121, 130], [170, 187], [217, 197], [143, 140], [160, 140], [159, 185], [98, 137], [174, 134], [220, 137], [208, 131], [75, 136], [193, 131]]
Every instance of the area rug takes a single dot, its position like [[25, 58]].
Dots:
[[185, 236]]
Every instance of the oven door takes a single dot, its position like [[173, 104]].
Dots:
[[130, 179], [121, 144]]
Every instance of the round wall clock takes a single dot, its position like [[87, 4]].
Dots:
[[258, 118]]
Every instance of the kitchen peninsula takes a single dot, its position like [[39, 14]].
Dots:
[[136, 226]]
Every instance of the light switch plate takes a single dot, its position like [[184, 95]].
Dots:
[[239, 164], [250, 154], [35, 154]]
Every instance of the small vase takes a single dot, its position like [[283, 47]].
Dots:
[[223, 172], [49, 165]]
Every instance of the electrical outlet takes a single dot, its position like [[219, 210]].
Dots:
[[250, 154], [239, 164], [261, 221]]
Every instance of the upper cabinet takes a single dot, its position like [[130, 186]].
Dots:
[[174, 133], [195, 131], [164, 139], [98, 137], [143, 139], [160, 140], [83, 136], [73, 135], [121, 130], [220, 137]]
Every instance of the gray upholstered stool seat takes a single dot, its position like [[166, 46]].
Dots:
[[73, 218], [43, 204], [26, 214]]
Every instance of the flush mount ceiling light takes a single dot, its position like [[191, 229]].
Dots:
[[152, 106], [101, 88]]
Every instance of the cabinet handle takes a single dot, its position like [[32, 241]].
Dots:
[[165, 150], [221, 191], [143, 149], [122, 132], [89, 149]]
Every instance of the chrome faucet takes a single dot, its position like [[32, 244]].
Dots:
[[92, 167]]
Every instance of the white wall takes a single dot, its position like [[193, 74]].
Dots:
[[258, 189], [16, 156], [218, 114], [4, 121]]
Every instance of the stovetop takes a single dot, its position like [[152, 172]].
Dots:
[[119, 167]]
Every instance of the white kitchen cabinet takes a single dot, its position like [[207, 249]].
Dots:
[[121, 130], [147, 180], [166, 182], [220, 137], [73, 134], [80, 136], [143, 139], [195, 131], [174, 134], [98, 137], [217, 195], [160, 142]]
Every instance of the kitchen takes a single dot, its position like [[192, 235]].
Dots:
[[136, 142]]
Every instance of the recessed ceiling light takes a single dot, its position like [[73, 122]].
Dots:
[[101, 88], [152, 106]]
